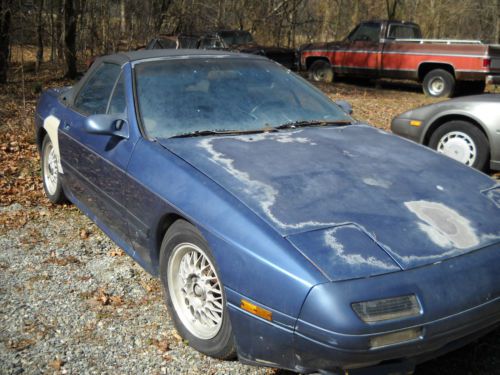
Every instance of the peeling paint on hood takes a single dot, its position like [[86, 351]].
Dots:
[[444, 226], [318, 178]]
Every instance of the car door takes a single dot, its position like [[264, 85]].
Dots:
[[95, 164], [363, 50]]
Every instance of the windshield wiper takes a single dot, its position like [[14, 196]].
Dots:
[[202, 133], [302, 124]]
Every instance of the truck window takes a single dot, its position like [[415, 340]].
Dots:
[[404, 32], [366, 32]]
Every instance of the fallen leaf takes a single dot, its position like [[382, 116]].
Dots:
[[116, 300], [117, 252], [56, 364], [20, 344], [84, 234], [102, 297]]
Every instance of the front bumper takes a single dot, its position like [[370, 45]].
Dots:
[[460, 299], [493, 79], [402, 127]]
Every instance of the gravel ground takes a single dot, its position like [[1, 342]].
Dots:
[[72, 302]]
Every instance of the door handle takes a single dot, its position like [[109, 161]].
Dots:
[[66, 125]]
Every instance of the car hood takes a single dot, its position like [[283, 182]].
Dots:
[[416, 206]]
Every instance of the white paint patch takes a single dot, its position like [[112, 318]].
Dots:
[[443, 225], [377, 182], [277, 137], [351, 259], [51, 125]]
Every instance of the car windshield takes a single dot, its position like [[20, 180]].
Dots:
[[236, 37], [185, 96]]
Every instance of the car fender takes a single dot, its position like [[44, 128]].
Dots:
[[437, 117]]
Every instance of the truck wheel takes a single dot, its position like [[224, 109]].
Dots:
[[439, 83], [321, 71], [463, 142]]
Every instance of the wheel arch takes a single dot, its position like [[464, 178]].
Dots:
[[41, 133], [162, 227], [312, 59], [437, 122], [428, 66]]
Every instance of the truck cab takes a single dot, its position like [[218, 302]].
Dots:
[[396, 49]]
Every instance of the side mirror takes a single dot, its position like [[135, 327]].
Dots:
[[346, 106], [107, 124]]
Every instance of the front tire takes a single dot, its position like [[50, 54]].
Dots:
[[439, 83], [194, 293], [463, 142], [51, 177], [321, 71]]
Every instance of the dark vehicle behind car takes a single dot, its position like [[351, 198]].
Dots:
[[242, 41], [164, 41]]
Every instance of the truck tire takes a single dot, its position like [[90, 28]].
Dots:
[[439, 83], [321, 71], [462, 141]]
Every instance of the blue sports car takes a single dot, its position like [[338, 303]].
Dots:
[[284, 232]]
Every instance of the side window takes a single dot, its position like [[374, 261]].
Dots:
[[367, 32], [118, 103], [94, 96], [403, 32]]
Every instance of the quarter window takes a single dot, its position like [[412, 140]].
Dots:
[[117, 103], [94, 96]]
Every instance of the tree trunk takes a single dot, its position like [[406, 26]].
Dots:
[[53, 38], [5, 20], [498, 23], [70, 38], [59, 29], [123, 20], [160, 19], [391, 7], [39, 36]]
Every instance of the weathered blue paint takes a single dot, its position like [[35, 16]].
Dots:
[[310, 179], [303, 223]]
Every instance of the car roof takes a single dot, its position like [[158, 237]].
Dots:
[[133, 56]]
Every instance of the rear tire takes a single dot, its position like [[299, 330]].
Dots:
[[463, 142], [439, 83], [194, 293], [52, 184], [321, 71]]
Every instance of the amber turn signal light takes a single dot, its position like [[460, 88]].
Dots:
[[256, 310]]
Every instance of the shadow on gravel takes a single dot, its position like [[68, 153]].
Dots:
[[481, 357]]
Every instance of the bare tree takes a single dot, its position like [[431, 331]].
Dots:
[[70, 38], [39, 35], [498, 23], [392, 7], [5, 22]]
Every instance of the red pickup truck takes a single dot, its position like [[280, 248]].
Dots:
[[395, 49]]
